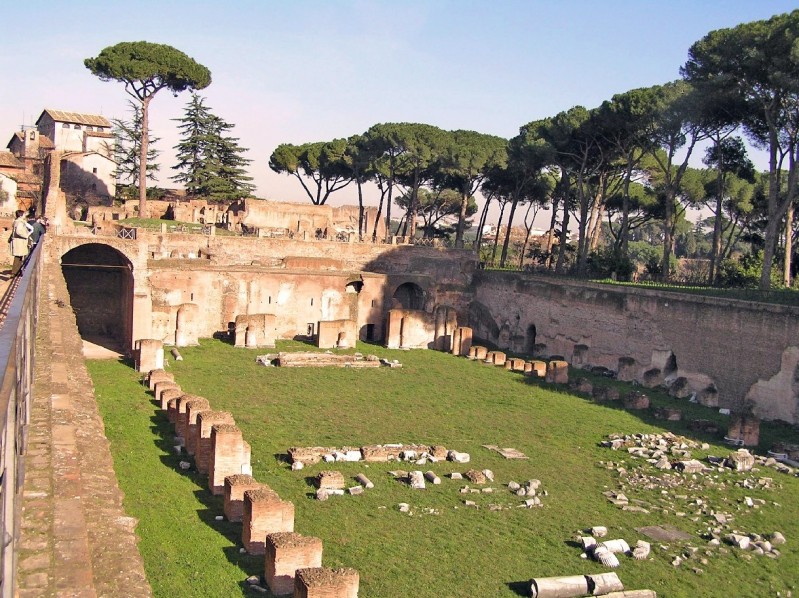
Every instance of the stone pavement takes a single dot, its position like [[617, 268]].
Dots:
[[76, 540]]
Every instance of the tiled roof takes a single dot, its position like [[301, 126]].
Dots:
[[98, 134], [46, 142], [9, 160], [17, 136], [75, 118]]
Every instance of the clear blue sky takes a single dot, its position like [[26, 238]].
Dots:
[[314, 70]]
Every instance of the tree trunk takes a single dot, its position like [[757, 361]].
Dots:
[[143, 147], [668, 218], [506, 242], [360, 210], [496, 236], [551, 234], [414, 207], [388, 212], [624, 230], [483, 217], [462, 218], [786, 264]]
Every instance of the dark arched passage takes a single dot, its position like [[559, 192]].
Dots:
[[100, 283], [410, 296]]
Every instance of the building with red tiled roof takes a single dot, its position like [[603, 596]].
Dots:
[[75, 132]]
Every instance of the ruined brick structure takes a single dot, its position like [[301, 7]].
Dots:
[[171, 288]]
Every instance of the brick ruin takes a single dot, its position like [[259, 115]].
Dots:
[[176, 288], [292, 562]]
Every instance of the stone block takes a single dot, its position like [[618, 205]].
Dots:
[[321, 582], [260, 329], [557, 372], [235, 487], [149, 354], [285, 553], [515, 364], [336, 334], [330, 480], [536, 369], [181, 417], [206, 420], [605, 393], [582, 385], [229, 456], [157, 376], [668, 413], [478, 353], [496, 358], [745, 428], [462, 341], [172, 409], [580, 355], [167, 394], [628, 369], [652, 378], [162, 385], [264, 513], [708, 396], [187, 324], [635, 401], [193, 409]]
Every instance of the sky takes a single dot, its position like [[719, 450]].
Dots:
[[314, 70]]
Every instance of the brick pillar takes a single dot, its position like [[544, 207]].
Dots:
[[235, 487], [264, 513], [162, 385], [536, 369], [744, 427], [193, 409], [285, 553], [514, 364], [228, 456], [478, 353], [172, 409], [320, 582], [557, 372], [180, 416], [157, 376], [462, 341], [496, 358], [205, 421], [149, 354], [168, 394]]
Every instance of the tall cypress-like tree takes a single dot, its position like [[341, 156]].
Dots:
[[211, 163]]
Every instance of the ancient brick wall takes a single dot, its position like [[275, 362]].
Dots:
[[731, 344]]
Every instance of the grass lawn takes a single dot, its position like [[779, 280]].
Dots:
[[441, 548]]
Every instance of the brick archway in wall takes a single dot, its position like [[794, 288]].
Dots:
[[410, 295], [100, 283]]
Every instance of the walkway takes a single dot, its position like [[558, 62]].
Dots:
[[76, 540]]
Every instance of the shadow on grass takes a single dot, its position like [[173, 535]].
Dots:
[[214, 505], [521, 588]]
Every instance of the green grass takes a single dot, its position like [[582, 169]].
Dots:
[[437, 399]]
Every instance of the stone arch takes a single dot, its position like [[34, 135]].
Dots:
[[100, 283], [410, 296]]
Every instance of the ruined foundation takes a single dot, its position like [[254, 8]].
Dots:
[[321, 582], [235, 487], [264, 513], [285, 553]]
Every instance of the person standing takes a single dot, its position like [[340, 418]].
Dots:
[[39, 228], [20, 231]]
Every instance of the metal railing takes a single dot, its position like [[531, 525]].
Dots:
[[17, 338]]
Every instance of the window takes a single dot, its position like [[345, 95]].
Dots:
[[65, 126], [77, 127], [32, 135], [89, 129], [94, 170], [100, 129]]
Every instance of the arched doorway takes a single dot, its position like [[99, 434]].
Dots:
[[530, 340], [100, 283], [410, 296]]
